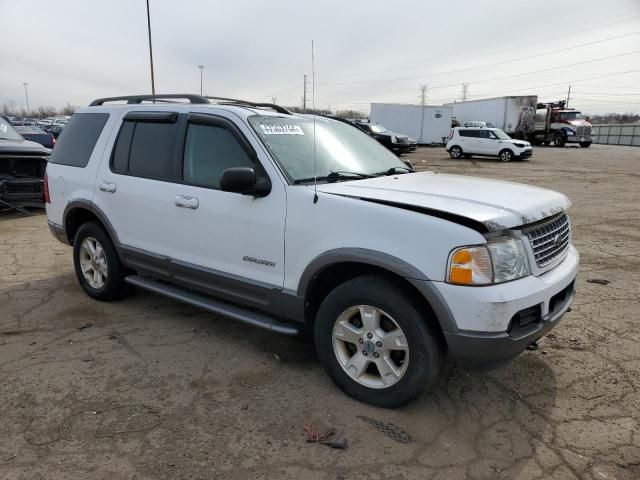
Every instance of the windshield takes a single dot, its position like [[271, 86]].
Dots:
[[500, 134], [570, 115], [339, 147], [7, 132], [378, 129]]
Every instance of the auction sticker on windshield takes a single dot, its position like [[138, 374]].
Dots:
[[281, 130]]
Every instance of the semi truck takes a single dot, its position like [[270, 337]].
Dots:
[[514, 115], [426, 123], [556, 123]]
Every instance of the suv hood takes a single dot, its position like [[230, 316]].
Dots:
[[495, 204], [22, 147]]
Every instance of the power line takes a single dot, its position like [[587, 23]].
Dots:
[[515, 75], [599, 23], [485, 65]]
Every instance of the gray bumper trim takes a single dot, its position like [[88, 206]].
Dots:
[[58, 232], [493, 349]]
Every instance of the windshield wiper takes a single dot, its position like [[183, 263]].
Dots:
[[394, 170], [335, 176]]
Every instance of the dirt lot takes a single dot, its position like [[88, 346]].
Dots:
[[148, 388]]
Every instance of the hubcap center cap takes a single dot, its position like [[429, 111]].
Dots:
[[369, 346]]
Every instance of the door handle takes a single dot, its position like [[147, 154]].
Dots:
[[185, 201], [108, 187]]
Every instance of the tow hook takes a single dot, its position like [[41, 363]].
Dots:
[[533, 346]]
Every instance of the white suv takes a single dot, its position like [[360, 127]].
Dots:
[[294, 223], [486, 142]]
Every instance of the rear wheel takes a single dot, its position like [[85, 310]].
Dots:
[[375, 343], [585, 144], [506, 155], [96, 263], [547, 142], [455, 152], [559, 140]]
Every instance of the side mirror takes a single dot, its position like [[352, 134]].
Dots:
[[243, 180]]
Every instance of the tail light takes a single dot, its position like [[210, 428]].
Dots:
[[46, 190]]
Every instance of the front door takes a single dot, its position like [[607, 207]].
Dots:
[[229, 244]]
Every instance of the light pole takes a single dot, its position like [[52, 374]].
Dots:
[[153, 84], [26, 95], [201, 67]]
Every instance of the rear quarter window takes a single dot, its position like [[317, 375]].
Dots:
[[78, 139]]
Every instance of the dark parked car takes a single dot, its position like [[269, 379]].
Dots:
[[396, 142], [36, 135], [349, 122], [22, 169], [55, 129]]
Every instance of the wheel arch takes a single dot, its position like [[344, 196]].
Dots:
[[333, 268], [79, 212]]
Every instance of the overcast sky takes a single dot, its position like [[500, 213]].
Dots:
[[366, 50]]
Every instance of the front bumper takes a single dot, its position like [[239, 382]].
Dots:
[[526, 153], [578, 138], [22, 192], [487, 319]]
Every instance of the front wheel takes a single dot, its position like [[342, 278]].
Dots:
[[505, 155], [455, 152], [585, 144], [559, 140], [375, 343]]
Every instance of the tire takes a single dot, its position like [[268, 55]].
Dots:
[[455, 152], [506, 155], [412, 363], [547, 142], [559, 140], [104, 277], [585, 144]]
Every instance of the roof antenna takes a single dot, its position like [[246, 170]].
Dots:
[[313, 106]]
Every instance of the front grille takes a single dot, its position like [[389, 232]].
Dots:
[[583, 131], [550, 240]]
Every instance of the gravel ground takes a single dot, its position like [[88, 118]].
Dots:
[[147, 388]]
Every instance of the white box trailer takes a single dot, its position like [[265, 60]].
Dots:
[[515, 115], [426, 123]]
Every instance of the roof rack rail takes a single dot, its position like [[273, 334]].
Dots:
[[133, 99], [247, 103]]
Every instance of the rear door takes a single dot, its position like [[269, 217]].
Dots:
[[134, 188]]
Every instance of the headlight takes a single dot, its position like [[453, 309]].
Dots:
[[569, 132], [496, 262], [519, 145], [394, 140]]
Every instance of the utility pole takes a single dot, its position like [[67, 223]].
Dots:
[[465, 87], [423, 95], [568, 96], [201, 67], [26, 95], [153, 83], [304, 96]]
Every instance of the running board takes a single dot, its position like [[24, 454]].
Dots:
[[214, 306]]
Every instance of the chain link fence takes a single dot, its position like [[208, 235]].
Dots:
[[617, 134]]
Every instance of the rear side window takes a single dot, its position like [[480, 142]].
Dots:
[[208, 151], [152, 149], [146, 146], [469, 133], [78, 139]]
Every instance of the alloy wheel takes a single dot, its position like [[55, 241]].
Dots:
[[93, 263], [370, 346]]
